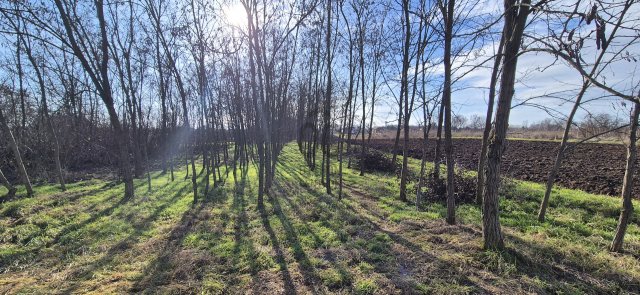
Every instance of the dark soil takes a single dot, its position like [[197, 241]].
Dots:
[[592, 167]]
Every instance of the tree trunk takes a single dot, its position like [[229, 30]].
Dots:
[[397, 137], [563, 147], [423, 163], [45, 110], [438, 153], [565, 137], [514, 24], [100, 79], [327, 104], [21, 90], [7, 184], [487, 123], [627, 185], [404, 94], [363, 148], [16, 153], [446, 101]]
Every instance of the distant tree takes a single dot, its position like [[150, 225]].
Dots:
[[476, 122], [546, 124], [459, 121], [594, 124]]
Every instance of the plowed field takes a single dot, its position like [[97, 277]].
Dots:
[[593, 167]]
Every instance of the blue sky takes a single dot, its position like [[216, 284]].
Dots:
[[543, 87], [559, 77]]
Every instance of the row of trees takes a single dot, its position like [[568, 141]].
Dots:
[[146, 80], [591, 124]]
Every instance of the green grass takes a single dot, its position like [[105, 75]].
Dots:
[[88, 240]]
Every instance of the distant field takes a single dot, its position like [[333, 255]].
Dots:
[[513, 134], [596, 168], [304, 241]]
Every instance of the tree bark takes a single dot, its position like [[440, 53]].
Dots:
[[404, 94], [327, 104], [487, 123], [16, 153], [11, 189], [363, 148], [100, 78], [446, 101], [425, 139], [516, 13], [627, 185], [563, 147], [438, 152]]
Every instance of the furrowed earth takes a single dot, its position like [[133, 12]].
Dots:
[[593, 167]]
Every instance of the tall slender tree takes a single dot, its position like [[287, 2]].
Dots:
[[95, 62], [516, 13]]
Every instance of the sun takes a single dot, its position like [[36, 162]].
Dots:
[[235, 15]]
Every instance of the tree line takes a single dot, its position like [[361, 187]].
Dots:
[[158, 84]]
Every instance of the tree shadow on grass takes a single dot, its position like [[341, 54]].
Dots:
[[309, 275], [277, 248], [406, 275], [176, 266], [308, 270], [170, 269], [243, 241], [169, 264], [31, 253], [559, 272], [139, 226], [241, 230], [104, 212], [562, 271], [558, 276], [439, 267]]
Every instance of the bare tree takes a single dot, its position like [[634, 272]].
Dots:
[[404, 97], [95, 62], [476, 122], [326, 133], [627, 184], [448, 13], [570, 49], [25, 40], [459, 121], [16, 154], [487, 122], [515, 18]]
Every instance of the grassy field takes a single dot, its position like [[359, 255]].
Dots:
[[87, 240]]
